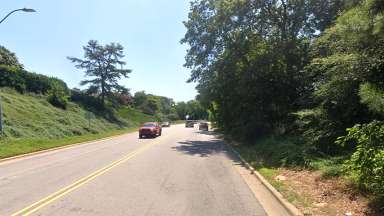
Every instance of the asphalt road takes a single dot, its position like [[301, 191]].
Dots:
[[183, 172]]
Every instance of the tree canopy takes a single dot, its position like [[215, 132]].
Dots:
[[104, 65], [9, 58], [248, 58]]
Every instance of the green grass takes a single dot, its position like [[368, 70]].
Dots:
[[134, 117], [274, 152], [33, 117], [9, 148], [32, 124], [289, 152], [329, 167]]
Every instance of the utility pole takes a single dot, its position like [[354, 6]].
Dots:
[[1, 119], [28, 10], [89, 116]]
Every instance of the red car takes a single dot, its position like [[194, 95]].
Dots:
[[149, 129]]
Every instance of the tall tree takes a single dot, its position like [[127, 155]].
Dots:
[[104, 65], [248, 58], [348, 69]]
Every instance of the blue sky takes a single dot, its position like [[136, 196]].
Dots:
[[149, 30]]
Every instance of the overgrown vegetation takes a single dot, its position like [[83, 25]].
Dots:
[[366, 165], [303, 69]]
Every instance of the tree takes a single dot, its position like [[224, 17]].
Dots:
[[166, 105], [8, 58], [192, 108], [347, 69], [105, 67], [181, 110], [150, 106], [195, 110], [248, 59], [139, 98]]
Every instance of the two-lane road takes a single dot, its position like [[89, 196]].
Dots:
[[183, 172]]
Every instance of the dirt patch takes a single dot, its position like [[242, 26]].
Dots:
[[327, 196]]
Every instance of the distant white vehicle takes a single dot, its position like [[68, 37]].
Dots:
[[166, 124], [189, 124]]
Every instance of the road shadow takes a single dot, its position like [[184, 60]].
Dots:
[[207, 132], [201, 148], [206, 149], [147, 137]]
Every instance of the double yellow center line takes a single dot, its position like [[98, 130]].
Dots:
[[60, 193]]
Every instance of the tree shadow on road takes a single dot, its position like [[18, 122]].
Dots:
[[207, 132], [201, 148], [207, 148]]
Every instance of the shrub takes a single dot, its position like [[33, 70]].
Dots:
[[172, 117], [12, 77], [24, 81], [124, 99], [366, 165], [57, 101], [87, 101], [276, 152], [58, 95]]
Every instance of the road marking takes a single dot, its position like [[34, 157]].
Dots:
[[60, 193]]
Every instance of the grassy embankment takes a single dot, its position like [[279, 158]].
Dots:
[[32, 124]]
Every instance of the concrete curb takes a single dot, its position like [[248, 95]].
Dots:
[[61, 147], [287, 205]]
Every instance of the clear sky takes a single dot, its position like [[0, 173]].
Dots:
[[149, 30]]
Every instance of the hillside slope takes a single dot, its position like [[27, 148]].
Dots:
[[31, 116]]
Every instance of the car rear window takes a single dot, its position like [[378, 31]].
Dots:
[[148, 125]]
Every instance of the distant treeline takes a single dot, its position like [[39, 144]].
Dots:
[[166, 108]]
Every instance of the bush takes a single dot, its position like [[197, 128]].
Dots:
[[328, 166], [12, 77], [366, 165], [276, 152], [24, 81], [58, 95], [172, 117], [87, 101], [58, 101]]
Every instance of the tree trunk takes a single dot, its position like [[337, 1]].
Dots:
[[103, 91]]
